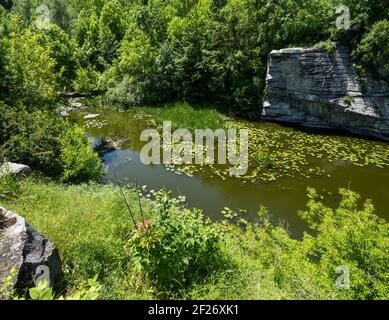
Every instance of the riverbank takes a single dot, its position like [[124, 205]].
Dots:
[[94, 233]]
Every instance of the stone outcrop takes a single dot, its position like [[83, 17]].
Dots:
[[15, 169], [314, 88], [29, 252]]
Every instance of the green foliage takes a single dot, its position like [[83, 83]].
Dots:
[[9, 187], [60, 13], [350, 236], [48, 144], [86, 80], [62, 50], [264, 261], [161, 51], [41, 292], [272, 265], [183, 115], [209, 50], [7, 284], [155, 52], [88, 290], [364, 13], [177, 247], [98, 29], [89, 225], [79, 161], [267, 161], [374, 47], [31, 75], [328, 46], [127, 80]]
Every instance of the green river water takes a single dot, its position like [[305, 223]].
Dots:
[[299, 159]]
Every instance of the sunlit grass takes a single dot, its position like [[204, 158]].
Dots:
[[184, 115], [90, 226]]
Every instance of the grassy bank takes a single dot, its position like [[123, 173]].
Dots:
[[95, 234], [184, 115]]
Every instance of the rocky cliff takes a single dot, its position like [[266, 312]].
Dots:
[[314, 88]]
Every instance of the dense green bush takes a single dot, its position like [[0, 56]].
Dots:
[[47, 143], [352, 236], [374, 47], [86, 80], [159, 51], [208, 50], [78, 159], [63, 51], [344, 256], [177, 247], [31, 75]]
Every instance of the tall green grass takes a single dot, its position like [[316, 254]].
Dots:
[[91, 227], [184, 115]]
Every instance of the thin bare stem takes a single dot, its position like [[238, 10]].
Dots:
[[125, 200], [140, 203]]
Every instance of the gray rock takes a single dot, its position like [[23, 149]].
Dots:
[[91, 116], [28, 251], [64, 113], [109, 144], [15, 168], [76, 104], [313, 88]]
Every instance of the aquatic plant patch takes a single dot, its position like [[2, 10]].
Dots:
[[180, 147], [276, 152]]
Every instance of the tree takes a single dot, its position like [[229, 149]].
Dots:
[[30, 68], [111, 29], [373, 50], [59, 13], [62, 50]]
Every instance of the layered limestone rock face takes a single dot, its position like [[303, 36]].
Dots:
[[314, 88]]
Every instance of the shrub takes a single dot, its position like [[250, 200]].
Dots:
[[86, 80], [352, 236], [47, 143], [79, 161], [32, 78], [328, 46], [374, 47], [178, 247], [346, 243]]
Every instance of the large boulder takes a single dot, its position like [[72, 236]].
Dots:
[[315, 88], [32, 255], [15, 169]]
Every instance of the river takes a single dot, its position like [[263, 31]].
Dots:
[[300, 159]]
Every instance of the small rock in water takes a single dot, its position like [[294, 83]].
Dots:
[[91, 116], [76, 104], [64, 114]]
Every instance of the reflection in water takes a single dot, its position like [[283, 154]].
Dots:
[[283, 197]]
